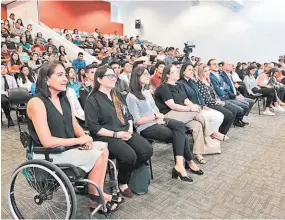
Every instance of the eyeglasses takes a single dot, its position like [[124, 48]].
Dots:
[[112, 76]]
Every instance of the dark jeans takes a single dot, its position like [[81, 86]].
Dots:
[[281, 93], [5, 105], [172, 132], [269, 93], [131, 154], [230, 113]]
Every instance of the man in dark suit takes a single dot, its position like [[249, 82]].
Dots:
[[231, 90], [225, 95]]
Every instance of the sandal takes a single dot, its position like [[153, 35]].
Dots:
[[201, 160], [109, 205]]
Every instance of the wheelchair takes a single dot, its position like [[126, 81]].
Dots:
[[39, 189]]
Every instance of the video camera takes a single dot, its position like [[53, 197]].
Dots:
[[188, 48]]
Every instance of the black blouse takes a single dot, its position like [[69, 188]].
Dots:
[[100, 113], [60, 125], [166, 92], [208, 93]]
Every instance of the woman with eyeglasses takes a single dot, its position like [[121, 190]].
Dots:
[[108, 119], [172, 100], [151, 124]]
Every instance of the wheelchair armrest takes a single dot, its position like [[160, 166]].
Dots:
[[54, 150]]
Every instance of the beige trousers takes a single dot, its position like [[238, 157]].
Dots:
[[201, 127]]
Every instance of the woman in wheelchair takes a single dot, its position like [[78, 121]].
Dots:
[[152, 124], [108, 119], [51, 124]]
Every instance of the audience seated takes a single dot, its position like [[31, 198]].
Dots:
[[109, 120], [253, 89], [10, 44], [208, 99], [87, 86], [51, 124], [121, 85], [35, 62], [40, 36], [225, 93], [7, 82], [17, 30], [172, 101], [156, 79], [189, 81], [127, 71], [50, 44], [79, 62], [5, 54], [29, 37], [24, 57], [212, 100], [14, 65], [26, 78], [150, 123], [72, 80], [39, 45], [170, 57]]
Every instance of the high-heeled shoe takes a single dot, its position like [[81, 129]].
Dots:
[[178, 175], [198, 172]]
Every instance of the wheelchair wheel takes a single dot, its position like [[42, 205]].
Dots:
[[40, 190]]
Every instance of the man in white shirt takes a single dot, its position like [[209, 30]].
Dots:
[[126, 74], [7, 82]]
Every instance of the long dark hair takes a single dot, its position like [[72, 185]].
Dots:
[[100, 73], [21, 22], [45, 72], [135, 85], [183, 68], [165, 72], [79, 76], [13, 62], [30, 76], [38, 60], [59, 50], [29, 38]]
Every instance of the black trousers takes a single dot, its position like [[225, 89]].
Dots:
[[281, 93], [5, 105], [131, 154], [269, 93], [172, 132], [230, 113]]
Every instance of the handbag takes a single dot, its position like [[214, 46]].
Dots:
[[212, 146], [139, 180]]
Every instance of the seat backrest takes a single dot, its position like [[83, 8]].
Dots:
[[18, 96]]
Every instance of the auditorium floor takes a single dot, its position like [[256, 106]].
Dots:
[[246, 181]]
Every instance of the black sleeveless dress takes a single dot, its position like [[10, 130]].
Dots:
[[61, 126]]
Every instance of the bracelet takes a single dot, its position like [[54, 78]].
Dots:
[[115, 134]]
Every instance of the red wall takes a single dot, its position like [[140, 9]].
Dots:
[[3, 12], [81, 15]]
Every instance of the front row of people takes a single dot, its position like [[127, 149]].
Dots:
[[119, 126]]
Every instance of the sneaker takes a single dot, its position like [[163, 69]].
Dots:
[[268, 113], [279, 109]]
